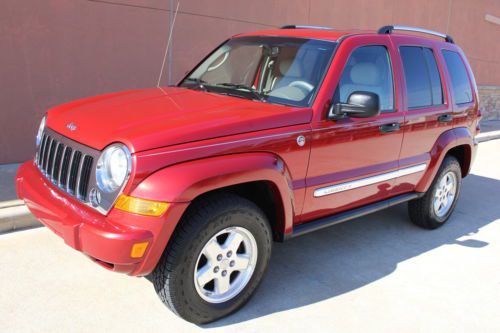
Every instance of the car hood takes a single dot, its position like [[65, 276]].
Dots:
[[159, 117]]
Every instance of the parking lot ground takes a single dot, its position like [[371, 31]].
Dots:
[[378, 273]]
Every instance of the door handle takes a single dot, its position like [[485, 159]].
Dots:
[[445, 118], [388, 128]]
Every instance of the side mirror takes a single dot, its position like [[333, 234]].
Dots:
[[360, 104]]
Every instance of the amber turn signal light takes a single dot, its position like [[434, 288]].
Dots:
[[141, 206], [138, 249]]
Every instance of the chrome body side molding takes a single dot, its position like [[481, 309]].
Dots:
[[320, 192]]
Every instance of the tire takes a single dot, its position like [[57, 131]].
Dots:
[[174, 277], [423, 211]]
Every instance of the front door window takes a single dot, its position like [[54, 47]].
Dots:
[[368, 69]]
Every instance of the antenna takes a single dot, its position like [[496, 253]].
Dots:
[[168, 44]]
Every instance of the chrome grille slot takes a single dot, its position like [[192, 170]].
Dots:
[[83, 184], [74, 172], [50, 160], [42, 150], [57, 163], [46, 154], [63, 177]]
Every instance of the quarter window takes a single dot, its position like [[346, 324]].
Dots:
[[462, 91], [423, 82], [368, 69]]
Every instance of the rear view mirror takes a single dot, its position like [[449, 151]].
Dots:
[[360, 104]]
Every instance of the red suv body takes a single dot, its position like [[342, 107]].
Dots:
[[301, 142]]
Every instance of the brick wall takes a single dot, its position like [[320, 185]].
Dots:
[[54, 51]]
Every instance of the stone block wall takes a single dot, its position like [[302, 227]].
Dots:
[[489, 102]]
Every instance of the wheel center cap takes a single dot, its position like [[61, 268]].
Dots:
[[224, 264]]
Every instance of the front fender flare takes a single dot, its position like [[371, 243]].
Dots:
[[184, 182]]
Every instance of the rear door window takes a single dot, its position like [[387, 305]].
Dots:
[[462, 91], [423, 82]]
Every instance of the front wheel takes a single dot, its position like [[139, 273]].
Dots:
[[215, 259], [433, 209]]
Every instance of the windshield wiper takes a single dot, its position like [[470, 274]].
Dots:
[[244, 87], [199, 82]]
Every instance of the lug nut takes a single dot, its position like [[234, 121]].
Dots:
[[219, 257], [232, 263], [224, 273], [216, 269], [229, 254]]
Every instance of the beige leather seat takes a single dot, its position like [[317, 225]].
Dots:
[[364, 76]]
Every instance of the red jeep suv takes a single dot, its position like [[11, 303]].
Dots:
[[273, 135]]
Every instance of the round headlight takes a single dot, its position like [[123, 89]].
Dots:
[[113, 168], [40, 131]]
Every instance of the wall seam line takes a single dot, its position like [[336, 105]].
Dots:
[[180, 12]]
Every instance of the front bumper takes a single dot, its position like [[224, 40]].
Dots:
[[108, 240]]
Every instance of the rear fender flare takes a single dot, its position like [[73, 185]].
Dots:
[[448, 140]]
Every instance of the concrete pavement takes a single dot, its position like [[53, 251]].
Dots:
[[490, 130], [378, 273]]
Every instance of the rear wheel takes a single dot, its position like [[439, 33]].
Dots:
[[433, 209], [215, 260]]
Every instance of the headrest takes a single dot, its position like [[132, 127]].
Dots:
[[290, 68], [365, 73]]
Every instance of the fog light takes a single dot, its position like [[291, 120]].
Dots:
[[138, 249], [141, 206]]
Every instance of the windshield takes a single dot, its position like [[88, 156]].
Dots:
[[278, 70]]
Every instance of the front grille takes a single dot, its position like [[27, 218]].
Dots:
[[65, 165], [70, 166]]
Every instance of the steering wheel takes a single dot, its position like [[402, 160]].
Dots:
[[306, 86]]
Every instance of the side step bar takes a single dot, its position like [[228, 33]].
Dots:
[[324, 222]]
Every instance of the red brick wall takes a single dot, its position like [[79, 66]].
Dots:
[[54, 51]]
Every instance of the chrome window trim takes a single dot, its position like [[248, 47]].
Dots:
[[323, 191]]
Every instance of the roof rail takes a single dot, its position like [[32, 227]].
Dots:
[[388, 29], [293, 26]]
